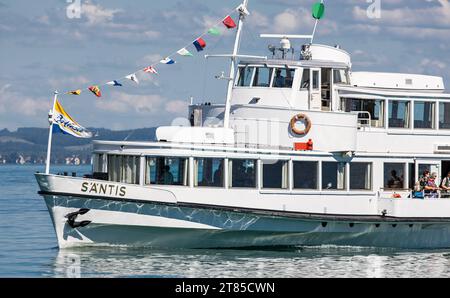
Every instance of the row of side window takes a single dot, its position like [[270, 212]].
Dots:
[[399, 113], [242, 173]]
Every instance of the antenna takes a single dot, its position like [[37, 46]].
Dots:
[[285, 43]]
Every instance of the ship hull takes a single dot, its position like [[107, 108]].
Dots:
[[110, 222]]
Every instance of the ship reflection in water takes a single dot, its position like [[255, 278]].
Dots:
[[295, 262]]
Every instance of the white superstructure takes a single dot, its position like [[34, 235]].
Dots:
[[304, 151]]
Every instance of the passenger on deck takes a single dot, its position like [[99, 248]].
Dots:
[[445, 186], [395, 182], [166, 177], [218, 176], [280, 81], [431, 189]]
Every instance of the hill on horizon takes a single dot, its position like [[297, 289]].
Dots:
[[29, 145]]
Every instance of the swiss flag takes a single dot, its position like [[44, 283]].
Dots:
[[229, 22]]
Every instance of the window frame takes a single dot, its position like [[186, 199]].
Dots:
[[196, 169], [317, 180], [231, 176], [370, 167], [284, 174], [184, 179], [408, 111], [433, 114]]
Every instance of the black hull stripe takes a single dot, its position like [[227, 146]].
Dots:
[[286, 214]]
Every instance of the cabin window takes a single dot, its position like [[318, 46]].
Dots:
[[167, 171], [444, 115], [424, 114], [245, 76], [209, 172], [306, 79], [284, 78], [99, 163], [243, 173], [399, 114], [263, 77], [360, 176], [340, 76], [315, 79], [394, 175], [372, 107], [275, 174], [305, 174], [333, 176], [124, 168]]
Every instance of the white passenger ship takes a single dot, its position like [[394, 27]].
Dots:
[[304, 152]]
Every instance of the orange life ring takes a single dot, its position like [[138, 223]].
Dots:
[[304, 118]]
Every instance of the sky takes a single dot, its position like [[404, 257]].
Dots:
[[44, 48]]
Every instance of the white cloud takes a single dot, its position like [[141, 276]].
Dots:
[[177, 107], [69, 82], [120, 102], [14, 103], [96, 14]]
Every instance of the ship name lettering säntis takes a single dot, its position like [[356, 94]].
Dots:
[[103, 189]]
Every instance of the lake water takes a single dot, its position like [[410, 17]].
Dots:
[[28, 249]]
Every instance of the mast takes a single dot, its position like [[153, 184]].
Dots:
[[243, 13], [51, 116]]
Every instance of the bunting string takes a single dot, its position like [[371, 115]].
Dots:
[[198, 45]]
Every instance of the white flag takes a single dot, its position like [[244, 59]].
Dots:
[[133, 78], [184, 52]]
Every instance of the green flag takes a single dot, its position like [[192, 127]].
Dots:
[[318, 11], [214, 31]]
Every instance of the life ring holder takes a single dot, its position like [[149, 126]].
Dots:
[[304, 118]]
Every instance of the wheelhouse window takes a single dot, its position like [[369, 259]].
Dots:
[[124, 169], [243, 173], [340, 76], [333, 176], [167, 171], [444, 115], [424, 114], [360, 176], [306, 79], [263, 77], [372, 107], [245, 76], [209, 172], [394, 175], [284, 78], [275, 174], [305, 174], [399, 111]]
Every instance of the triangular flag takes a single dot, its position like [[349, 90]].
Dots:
[[167, 61], [64, 123], [184, 52], [76, 92], [96, 91], [199, 44], [114, 83], [133, 78], [229, 22], [150, 69], [214, 31]]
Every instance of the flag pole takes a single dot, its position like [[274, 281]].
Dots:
[[50, 134], [315, 26]]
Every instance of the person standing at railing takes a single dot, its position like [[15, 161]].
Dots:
[[445, 186], [431, 188]]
